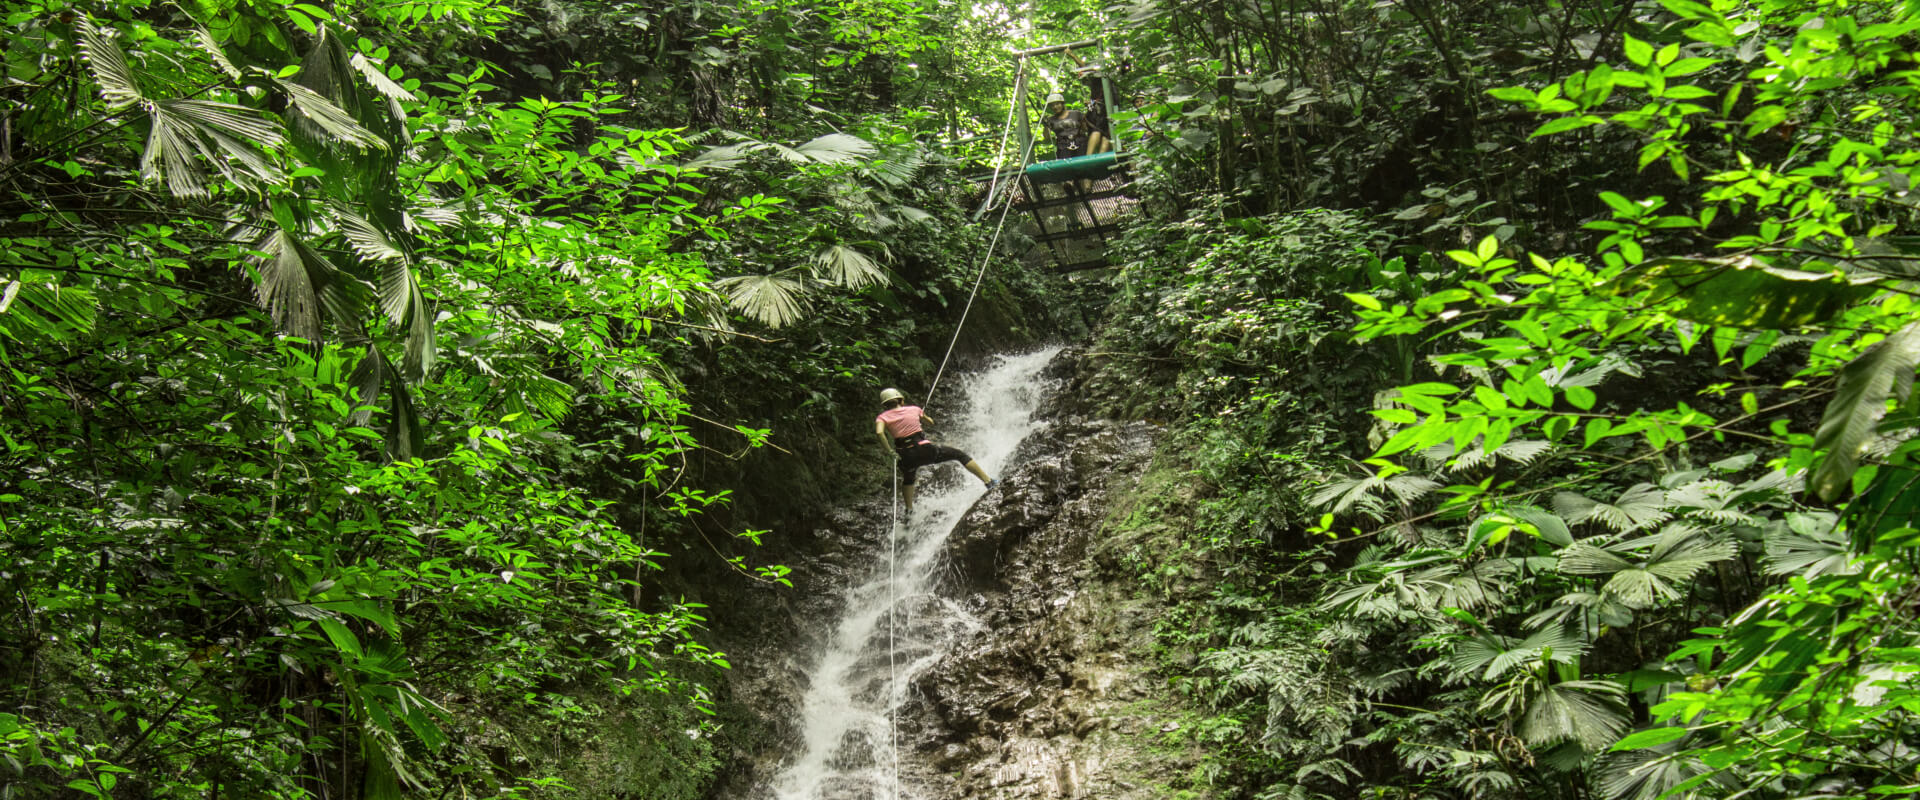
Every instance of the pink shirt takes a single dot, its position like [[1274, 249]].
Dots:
[[901, 420]]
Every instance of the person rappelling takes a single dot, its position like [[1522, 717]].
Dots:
[[902, 429]]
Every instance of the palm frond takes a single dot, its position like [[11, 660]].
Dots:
[[1808, 545], [1648, 774], [1521, 451], [109, 63], [45, 311], [1589, 713], [183, 131], [403, 303], [1711, 499], [847, 267], [833, 148], [1672, 558], [772, 299], [299, 286], [528, 390], [323, 116], [899, 169], [215, 52], [1494, 655], [366, 238], [1637, 507], [723, 157], [381, 83]]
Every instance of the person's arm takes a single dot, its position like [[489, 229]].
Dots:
[[880, 430], [925, 421]]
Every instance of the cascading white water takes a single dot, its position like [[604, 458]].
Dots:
[[844, 752]]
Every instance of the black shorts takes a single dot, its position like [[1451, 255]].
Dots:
[[923, 454]]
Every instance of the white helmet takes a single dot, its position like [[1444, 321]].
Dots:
[[1056, 97], [890, 395]]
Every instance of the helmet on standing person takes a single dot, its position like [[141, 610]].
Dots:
[[1056, 97], [890, 395]]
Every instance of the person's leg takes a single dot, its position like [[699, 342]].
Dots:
[[954, 454], [906, 494]]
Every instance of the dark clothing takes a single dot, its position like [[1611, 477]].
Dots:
[[916, 452], [1070, 131], [1097, 118]]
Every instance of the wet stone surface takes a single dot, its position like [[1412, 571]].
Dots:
[[1037, 704]]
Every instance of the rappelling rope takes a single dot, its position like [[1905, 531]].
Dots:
[[1019, 88], [893, 601], [893, 534]]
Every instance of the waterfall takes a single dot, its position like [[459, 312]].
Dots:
[[844, 752]]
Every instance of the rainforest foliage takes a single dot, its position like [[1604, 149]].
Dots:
[[1544, 369], [1606, 403], [364, 362]]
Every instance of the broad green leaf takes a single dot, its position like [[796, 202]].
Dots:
[[1648, 738], [1885, 372], [1745, 293]]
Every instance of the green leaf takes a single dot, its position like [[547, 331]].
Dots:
[[1588, 713], [1564, 124], [1580, 396], [1552, 529], [1648, 738], [1885, 371], [109, 65], [1638, 52], [833, 148], [342, 638], [1745, 293], [316, 110]]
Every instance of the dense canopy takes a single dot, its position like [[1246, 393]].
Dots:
[[413, 399]]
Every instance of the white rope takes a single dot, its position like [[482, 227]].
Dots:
[[1006, 131], [893, 604], [977, 278]]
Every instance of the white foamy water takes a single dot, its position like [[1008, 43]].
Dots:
[[894, 625]]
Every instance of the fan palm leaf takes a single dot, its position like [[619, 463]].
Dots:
[[1493, 655], [1640, 581], [1637, 507], [847, 267], [44, 311], [833, 148], [1589, 713], [1808, 545], [774, 300]]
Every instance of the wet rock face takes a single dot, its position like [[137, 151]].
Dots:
[[1035, 706], [778, 623]]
